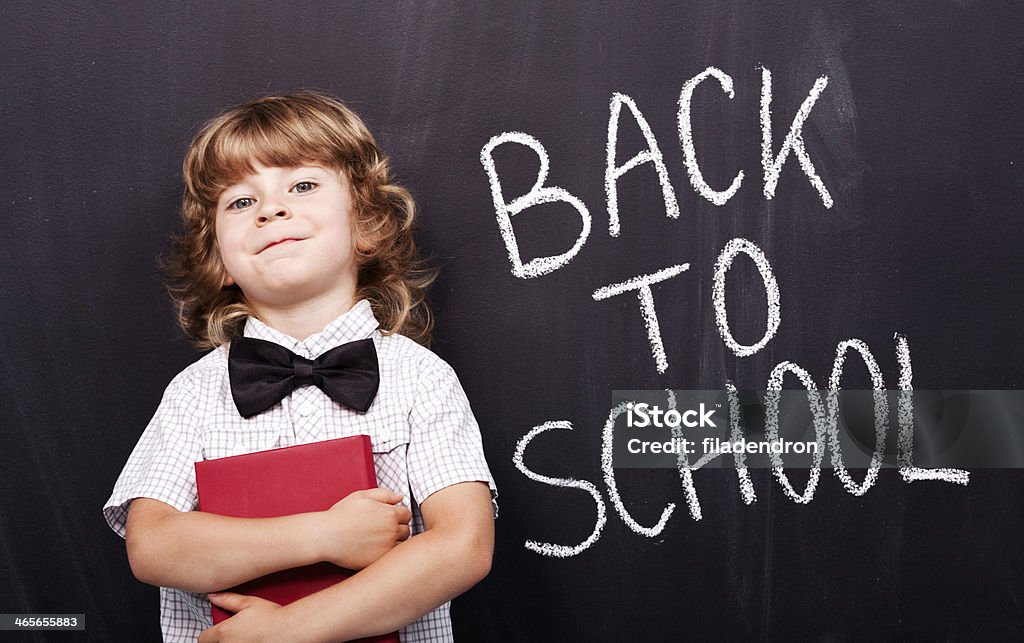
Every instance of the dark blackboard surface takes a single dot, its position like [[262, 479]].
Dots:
[[917, 137]]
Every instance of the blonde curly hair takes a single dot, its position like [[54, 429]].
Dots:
[[284, 131]]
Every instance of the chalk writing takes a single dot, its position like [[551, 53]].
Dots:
[[824, 413]]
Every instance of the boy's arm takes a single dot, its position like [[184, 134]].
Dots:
[[449, 557], [202, 552]]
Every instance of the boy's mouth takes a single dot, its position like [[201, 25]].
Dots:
[[279, 242]]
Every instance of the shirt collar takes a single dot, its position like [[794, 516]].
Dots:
[[357, 323]]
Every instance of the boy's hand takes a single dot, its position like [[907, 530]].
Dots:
[[255, 619], [362, 527]]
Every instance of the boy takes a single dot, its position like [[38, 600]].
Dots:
[[295, 237]]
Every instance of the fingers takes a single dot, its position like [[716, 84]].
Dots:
[[229, 601], [401, 527], [382, 494], [209, 635]]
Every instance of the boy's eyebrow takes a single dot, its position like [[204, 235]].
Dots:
[[237, 186]]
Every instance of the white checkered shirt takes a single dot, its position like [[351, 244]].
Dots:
[[422, 429]]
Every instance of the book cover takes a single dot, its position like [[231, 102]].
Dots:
[[279, 482]]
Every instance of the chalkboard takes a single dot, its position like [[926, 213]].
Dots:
[[762, 180]]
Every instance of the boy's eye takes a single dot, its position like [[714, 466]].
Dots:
[[304, 186], [238, 204]]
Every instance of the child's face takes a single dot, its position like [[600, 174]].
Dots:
[[285, 236]]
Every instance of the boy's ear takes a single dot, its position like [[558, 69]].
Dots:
[[227, 281], [364, 244]]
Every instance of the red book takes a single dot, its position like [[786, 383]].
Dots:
[[281, 482]]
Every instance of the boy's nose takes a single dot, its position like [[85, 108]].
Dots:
[[272, 213]]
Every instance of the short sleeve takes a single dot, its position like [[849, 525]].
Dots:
[[445, 447], [162, 464]]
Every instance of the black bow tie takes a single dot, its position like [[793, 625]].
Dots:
[[263, 373]]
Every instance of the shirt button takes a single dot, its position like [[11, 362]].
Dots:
[[306, 409]]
